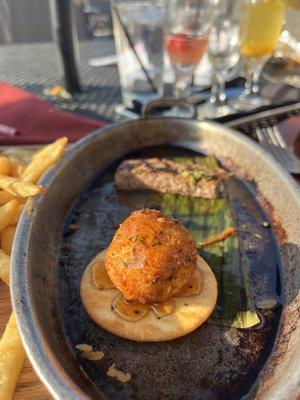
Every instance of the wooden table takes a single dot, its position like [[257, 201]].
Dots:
[[29, 386]]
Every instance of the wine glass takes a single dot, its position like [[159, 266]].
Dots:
[[261, 22], [223, 54], [186, 38]]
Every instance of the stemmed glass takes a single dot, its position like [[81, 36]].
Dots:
[[260, 27], [187, 27], [223, 54]]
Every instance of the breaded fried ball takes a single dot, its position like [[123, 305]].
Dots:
[[151, 257]]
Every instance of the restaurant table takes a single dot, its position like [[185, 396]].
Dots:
[[33, 67]]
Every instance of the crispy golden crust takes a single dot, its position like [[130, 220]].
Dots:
[[150, 257], [189, 313]]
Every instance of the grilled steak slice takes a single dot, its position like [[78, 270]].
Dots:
[[187, 177]]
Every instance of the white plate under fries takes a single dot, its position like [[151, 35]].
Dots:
[[45, 292]]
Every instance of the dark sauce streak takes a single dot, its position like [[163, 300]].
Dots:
[[258, 247]]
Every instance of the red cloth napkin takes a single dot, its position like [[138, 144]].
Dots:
[[37, 121]]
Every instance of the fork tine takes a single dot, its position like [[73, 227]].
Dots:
[[259, 134], [288, 154], [277, 140], [293, 163], [282, 150], [278, 136], [262, 139], [272, 137], [286, 158], [265, 140]]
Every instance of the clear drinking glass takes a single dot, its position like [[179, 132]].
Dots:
[[223, 54], [186, 38], [138, 32], [261, 22]]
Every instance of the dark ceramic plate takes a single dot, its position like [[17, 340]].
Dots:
[[211, 363]]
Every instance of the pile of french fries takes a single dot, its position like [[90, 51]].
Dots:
[[18, 182]]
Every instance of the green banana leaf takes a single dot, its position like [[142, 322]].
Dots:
[[205, 218]]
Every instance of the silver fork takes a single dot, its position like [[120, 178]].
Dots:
[[271, 139]]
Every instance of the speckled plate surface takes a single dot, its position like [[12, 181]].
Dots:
[[48, 260]]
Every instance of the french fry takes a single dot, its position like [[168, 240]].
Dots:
[[8, 212], [17, 216], [44, 159], [16, 167], [4, 270], [5, 166], [18, 187], [12, 357], [14, 190], [7, 238], [5, 197]]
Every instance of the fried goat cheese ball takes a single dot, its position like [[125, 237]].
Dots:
[[151, 257]]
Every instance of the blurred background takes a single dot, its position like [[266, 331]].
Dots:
[[78, 71], [29, 20]]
